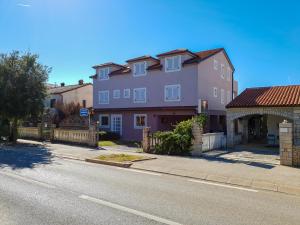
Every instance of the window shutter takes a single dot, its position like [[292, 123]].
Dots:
[[176, 62]]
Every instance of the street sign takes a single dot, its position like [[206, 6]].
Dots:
[[84, 112]]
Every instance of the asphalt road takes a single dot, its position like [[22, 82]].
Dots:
[[64, 191]]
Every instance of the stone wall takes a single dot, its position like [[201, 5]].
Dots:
[[286, 143]]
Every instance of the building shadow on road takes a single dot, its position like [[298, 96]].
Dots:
[[22, 156]]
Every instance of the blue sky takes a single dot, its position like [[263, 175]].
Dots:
[[262, 38]]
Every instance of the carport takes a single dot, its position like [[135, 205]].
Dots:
[[254, 117]]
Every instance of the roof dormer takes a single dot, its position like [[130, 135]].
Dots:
[[139, 66], [104, 70]]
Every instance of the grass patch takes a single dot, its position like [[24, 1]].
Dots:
[[133, 144], [107, 143], [121, 157]]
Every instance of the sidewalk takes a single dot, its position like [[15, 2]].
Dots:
[[257, 175]]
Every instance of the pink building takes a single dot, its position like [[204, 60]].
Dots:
[[159, 92]]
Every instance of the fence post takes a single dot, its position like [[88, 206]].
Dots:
[[197, 143], [146, 139], [40, 131], [52, 127], [93, 140]]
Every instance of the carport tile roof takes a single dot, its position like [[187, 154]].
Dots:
[[278, 96]]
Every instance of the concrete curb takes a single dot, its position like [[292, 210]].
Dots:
[[110, 163], [236, 181]]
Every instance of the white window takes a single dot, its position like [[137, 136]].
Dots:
[[215, 64], [228, 97], [116, 94], [222, 71], [222, 96], [126, 93], [215, 92], [140, 121], [173, 63], [104, 120], [139, 69], [228, 74], [139, 95], [103, 97], [172, 93], [103, 73]]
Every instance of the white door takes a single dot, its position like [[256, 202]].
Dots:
[[116, 123]]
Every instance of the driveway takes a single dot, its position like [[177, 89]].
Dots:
[[247, 153]]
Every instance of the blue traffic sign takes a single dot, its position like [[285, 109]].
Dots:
[[84, 112]]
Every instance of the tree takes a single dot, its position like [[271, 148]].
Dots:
[[22, 87]]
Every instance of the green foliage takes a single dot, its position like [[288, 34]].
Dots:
[[172, 143], [107, 136], [178, 141], [200, 119], [22, 87]]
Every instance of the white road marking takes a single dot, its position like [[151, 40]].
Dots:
[[139, 171], [129, 210], [222, 185], [28, 180]]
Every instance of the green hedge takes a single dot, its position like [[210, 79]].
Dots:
[[178, 141], [108, 136]]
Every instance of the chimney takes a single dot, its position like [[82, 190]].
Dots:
[[62, 84], [80, 82]]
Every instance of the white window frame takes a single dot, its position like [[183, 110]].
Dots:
[[134, 121], [228, 97], [100, 124], [222, 96], [167, 70], [229, 74], [134, 90], [138, 64], [216, 65], [173, 86], [215, 92], [126, 90], [103, 103], [222, 69], [105, 69], [116, 94]]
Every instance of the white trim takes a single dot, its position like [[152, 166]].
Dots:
[[222, 69], [222, 96], [215, 92], [100, 124], [134, 121], [229, 72], [111, 122], [126, 89], [135, 89], [172, 70], [141, 74], [115, 96], [179, 92], [215, 64], [103, 69], [103, 103]]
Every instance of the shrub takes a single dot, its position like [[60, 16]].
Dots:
[[107, 136], [178, 141], [4, 129]]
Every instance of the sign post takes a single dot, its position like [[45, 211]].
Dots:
[[84, 112]]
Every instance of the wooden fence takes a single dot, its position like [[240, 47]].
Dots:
[[73, 136]]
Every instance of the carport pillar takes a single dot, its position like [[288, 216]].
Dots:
[[245, 131], [230, 133], [286, 143]]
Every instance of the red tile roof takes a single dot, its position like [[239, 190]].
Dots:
[[156, 66], [63, 89], [277, 96], [176, 51], [144, 57], [107, 64], [120, 71], [203, 55]]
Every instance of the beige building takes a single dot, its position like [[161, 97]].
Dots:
[[79, 93]]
